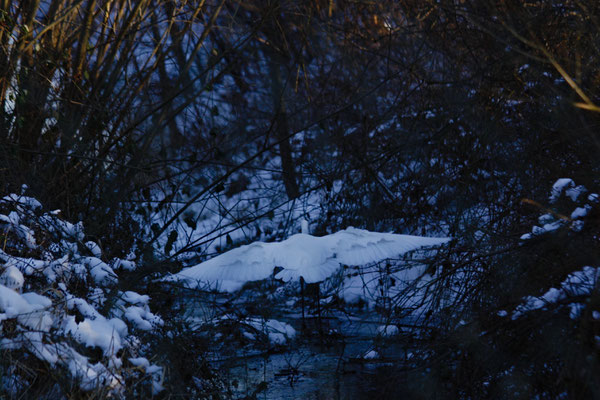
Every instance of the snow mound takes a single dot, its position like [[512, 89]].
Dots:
[[312, 258]]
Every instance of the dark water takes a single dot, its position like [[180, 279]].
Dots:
[[317, 364], [303, 374], [333, 370]]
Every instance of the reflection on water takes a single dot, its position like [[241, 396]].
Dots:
[[301, 374], [317, 371], [326, 360]]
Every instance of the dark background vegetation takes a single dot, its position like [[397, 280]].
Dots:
[[437, 116]]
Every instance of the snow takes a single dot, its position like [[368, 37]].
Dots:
[[358, 247], [97, 297], [575, 310], [575, 192], [545, 219], [22, 201], [100, 271], [301, 255], [29, 311], [142, 318], [388, 330], [98, 332], [580, 212], [408, 284], [128, 265], [304, 256], [135, 298], [553, 222], [37, 300], [12, 303], [94, 249], [46, 327], [12, 278], [63, 228], [245, 263], [141, 362], [154, 370], [13, 219], [27, 266], [577, 284], [89, 376], [371, 355], [82, 306], [536, 230], [305, 228], [277, 332], [559, 186], [567, 186]]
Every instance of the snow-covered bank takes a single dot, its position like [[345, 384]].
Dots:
[[60, 303]]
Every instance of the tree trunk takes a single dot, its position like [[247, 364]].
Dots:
[[288, 170]]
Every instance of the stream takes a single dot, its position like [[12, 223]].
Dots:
[[312, 370], [340, 355]]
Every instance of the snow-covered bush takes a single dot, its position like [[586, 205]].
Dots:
[[558, 318], [62, 313], [528, 325], [578, 288], [533, 331]]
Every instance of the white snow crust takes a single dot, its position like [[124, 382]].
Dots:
[[301, 255]]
